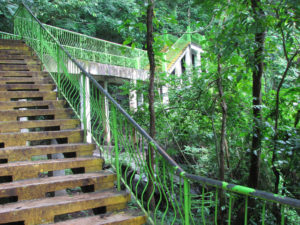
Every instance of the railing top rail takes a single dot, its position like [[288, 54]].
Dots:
[[246, 190], [224, 185]]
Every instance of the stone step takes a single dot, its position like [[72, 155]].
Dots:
[[18, 57], [13, 115], [20, 61], [25, 80], [15, 105], [34, 169], [23, 153], [38, 187], [44, 210], [15, 52], [29, 87], [20, 67], [9, 95], [20, 47], [17, 126], [9, 41], [20, 139], [127, 217], [18, 74]]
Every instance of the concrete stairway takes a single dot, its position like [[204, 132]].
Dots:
[[34, 128]]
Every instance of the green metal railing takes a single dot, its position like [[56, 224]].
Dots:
[[93, 49], [180, 198], [8, 36]]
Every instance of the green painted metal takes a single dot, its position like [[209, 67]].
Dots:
[[8, 36], [230, 209], [127, 148], [186, 200], [263, 213], [246, 211]]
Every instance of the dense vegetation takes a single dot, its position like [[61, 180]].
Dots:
[[242, 111]]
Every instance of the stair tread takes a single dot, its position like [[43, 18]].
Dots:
[[20, 104], [22, 73], [16, 126], [19, 61], [70, 145], [41, 162], [128, 217], [53, 180], [60, 113], [21, 153], [41, 132], [63, 200]]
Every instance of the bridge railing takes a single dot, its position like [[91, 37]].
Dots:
[[180, 198], [89, 48]]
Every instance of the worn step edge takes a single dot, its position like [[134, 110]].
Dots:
[[23, 153], [31, 169], [128, 217], [37, 188], [29, 87], [20, 139], [52, 104], [10, 115], [17, 126], [44, 210], [23, 73]]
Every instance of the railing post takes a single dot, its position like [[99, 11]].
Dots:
[[115, 133], [187, 203], [85, 107], [88, 111], [41, 43], [58, 70]]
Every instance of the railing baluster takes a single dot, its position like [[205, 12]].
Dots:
[[216, 206], [263, 213], [202, 206], [230, 209], [282, 214], [246, 210]]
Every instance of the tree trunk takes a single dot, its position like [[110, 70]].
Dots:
[[150, 153], [257, 73], [222, 141]]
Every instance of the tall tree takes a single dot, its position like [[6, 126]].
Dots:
[[150, 51], [257, 72]]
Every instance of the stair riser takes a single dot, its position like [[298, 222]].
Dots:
[[29, 87], [15, 67], [19, 47], [14, 115], [22, 62], [23, 104], [26, 153], [8, 96], [20, 139], [5, 52], [23, 172], [29, 192], [18, 57], [21, 74], [7, 127], [17, 80], [47, 214]]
